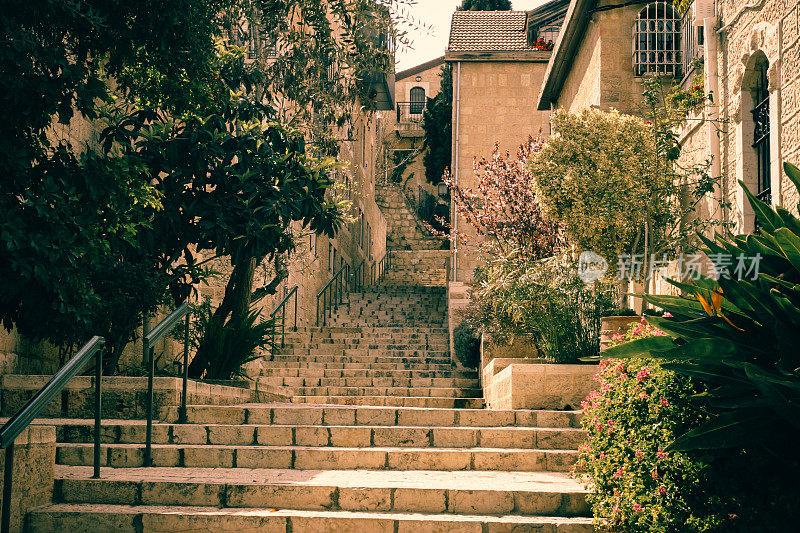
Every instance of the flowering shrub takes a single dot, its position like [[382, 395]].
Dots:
[[637, 330], [638, 487]]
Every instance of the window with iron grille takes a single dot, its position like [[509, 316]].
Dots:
[[417, 101], [656, 41], [761, 133]]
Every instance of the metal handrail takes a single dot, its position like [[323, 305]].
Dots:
[[359, 276], [383, 265], [183, 311], [11, 429], [337, 286], [282, 307]]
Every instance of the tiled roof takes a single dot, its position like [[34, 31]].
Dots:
[[488, 31]]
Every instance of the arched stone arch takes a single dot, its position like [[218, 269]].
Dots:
[[759, 50]]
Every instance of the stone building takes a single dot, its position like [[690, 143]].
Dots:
[[750, 62], [499, 59]]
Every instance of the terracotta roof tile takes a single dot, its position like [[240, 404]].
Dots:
[[488, 31]]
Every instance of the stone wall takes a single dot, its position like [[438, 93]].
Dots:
[[602, 72], [764, 30], [540, 386], [494, 101], [122, 397], [34, 464]]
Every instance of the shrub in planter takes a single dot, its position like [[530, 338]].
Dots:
[[467, 345], [641, 486], [638, 487], [621, 311]]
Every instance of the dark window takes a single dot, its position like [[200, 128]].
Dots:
[[417, 101], [656, 41], [761, 133]]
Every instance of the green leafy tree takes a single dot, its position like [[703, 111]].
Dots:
[[438, 126], [485, 5], [596, 176], [80, 222]]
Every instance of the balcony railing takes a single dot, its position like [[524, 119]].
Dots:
[[410, 117]]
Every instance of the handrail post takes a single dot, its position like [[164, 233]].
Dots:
[[8, 479], [182, 415], [283, 326], [148, 446], [295, 308], [98, 406]]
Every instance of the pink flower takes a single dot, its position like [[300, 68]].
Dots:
[[618, 474], [638, 454], [662, 490], [620, 367], [602, 455], [637, 507], [661, 454], [664, 402], [667, 314], [643, 373], [643, 395], [654, 474]]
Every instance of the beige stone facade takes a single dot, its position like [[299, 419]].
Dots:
[[494, 100]]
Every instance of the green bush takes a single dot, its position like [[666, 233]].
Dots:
[[467, 345], [231, 346], [640, 486], [620, 311], [544, 301]]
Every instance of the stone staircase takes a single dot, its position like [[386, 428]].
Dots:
[[383, 433]]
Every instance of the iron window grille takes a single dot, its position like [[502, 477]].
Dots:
[[657, 41], [761, 134]]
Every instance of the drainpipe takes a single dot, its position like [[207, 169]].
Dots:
[[455, 151], [711, 74]]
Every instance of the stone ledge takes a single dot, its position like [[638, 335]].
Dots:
[[123, 397], [540, 386]]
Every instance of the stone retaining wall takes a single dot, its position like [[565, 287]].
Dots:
[[540, 386], [123, 397], [427, 268]]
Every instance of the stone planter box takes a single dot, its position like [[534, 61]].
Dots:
[[123, 397], [611, 325], [540, 386]]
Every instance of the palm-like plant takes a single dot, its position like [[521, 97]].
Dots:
[[739, 337]]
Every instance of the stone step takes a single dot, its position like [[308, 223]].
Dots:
[[396, 368], [404, 392], [133, 432], [277, 380], [320, 458], [393, 401], [292, 414], [338, 370], [101, 518], [520, 493], [364, 360]]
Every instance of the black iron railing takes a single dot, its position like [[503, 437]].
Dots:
[[382, 266], [281, 308], [360, 276], [333, 293], [11, 430], [165, 326], [410, 113]]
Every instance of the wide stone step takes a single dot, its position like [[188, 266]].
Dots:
[[337, 370], [462, 492], [405, 392], [363, 360], [278, 380], [394, 367], [101, 518], [321, 458], [309, 415], [394, 401], [133, 432]]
